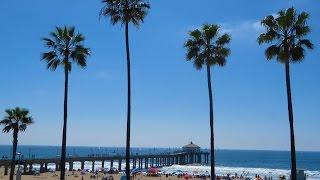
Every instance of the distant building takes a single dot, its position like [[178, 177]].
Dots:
[[191, 148]]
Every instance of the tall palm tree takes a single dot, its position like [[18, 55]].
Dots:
[[205, 47], [126, 12], [287, 31], [16, 120], [65, 48]]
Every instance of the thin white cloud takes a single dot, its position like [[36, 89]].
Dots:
[[248, 28], [243, 28]]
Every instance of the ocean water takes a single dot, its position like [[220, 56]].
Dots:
[[246, 162], [54, 151]]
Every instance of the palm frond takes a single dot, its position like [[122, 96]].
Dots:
[[71, 31], [286, 18], [222, 52], [268, 37], [206, 47], [49, 56], [78, 39], [7, 129], [272, 52], [305, 43], [302, 19], [48, 42], [125, 11], [291, 17], [67, 44], [297, 54], [283, 56], [301, 30], [5, 121], [52, 65], [22, 127], [56, 38], [195, 34], [269, 22], [9, 112], [79, 54], [27, 120], [65, 33], [58, 33], [16, 118], [210, 31], [199, 61], [220, 61], [224, 39], [286, 31], [192, 53]]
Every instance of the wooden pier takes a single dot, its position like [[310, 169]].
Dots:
[[138, 161]]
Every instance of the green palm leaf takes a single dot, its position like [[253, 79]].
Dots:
[[17, 118], [287, 30], [206, 46], [125, 11], [65, 48]]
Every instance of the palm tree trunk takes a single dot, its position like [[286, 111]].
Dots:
[[14, 152], [213, 175], [129, 103], [64, 132], [290, 111]]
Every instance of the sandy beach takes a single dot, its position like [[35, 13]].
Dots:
[[77, 176]]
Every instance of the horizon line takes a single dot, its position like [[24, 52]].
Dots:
[[146, 147]]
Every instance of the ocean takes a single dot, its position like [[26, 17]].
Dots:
[[247, 162]]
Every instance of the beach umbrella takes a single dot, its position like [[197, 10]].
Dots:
[[187, 176], [135, 171], [153, 170]]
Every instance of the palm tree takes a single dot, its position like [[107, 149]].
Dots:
[[287, 30], [207, 48], [65, 48], [16, 120], [126, 12]]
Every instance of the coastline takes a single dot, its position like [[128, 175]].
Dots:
[[192, 170], [248, 163]]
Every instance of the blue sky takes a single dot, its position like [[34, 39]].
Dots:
[[170, 103]]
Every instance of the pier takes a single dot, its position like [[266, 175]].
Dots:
[[138, 161], [189, 154]]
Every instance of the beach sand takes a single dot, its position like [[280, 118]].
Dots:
[[77, 176]]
